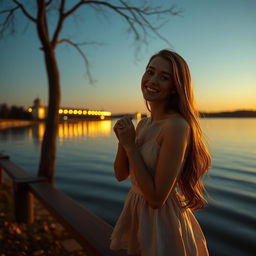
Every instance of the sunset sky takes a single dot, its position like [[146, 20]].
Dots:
[[217, 38]]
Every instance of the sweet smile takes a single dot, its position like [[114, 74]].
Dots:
[[151, 89]]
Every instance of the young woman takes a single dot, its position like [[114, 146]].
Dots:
[[165, 158]]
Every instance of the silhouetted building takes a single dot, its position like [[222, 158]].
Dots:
[[38, 110]]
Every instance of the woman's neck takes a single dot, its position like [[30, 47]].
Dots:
[[159, 112]]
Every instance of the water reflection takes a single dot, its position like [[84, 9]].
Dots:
[[223, 132], [36, 132], [86, 128], [85, 172], [68, 130], [14, 134]]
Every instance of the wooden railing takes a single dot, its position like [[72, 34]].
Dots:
[[92, 233]]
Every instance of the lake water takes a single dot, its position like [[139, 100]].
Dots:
[[86, 152]]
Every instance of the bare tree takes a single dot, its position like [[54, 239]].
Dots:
[[136, 14]]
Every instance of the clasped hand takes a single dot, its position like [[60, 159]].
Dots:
[[125, 132]]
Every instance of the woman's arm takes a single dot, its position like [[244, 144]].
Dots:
[[121, 164], [172, 149]]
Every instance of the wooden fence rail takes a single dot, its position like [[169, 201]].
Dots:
[[91, 232]]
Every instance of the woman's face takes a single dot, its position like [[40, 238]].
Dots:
[[156, 83]]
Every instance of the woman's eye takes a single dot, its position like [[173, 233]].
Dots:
[[164, 78], [149, 72]]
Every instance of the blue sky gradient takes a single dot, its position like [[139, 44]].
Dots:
[[217, 38]]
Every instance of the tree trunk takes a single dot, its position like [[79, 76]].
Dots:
[[48, 150]]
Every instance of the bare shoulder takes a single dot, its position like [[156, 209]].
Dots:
[[175, 126], [176, 122]]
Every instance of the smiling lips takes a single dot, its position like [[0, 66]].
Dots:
[[151, 89]]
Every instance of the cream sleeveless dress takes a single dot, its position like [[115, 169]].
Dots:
[[168, 231]]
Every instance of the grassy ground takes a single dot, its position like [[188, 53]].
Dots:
[[44, 237]]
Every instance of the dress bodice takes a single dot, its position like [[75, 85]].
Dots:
[[146, 141]]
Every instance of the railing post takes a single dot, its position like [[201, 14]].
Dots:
[[24, 203], [1, 175], [1, 168]]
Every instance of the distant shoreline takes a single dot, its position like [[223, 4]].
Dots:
[[238, 113], [224, 114], [10, 123]]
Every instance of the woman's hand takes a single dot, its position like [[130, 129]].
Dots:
[[125, 132]]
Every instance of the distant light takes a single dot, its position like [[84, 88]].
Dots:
[[106, 113], [82, 112], [102, 117], [41, 113], [138, 116], [29, 109]]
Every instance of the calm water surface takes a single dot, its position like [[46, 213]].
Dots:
[[86, 152]]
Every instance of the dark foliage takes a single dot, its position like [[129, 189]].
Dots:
[[14, 112]]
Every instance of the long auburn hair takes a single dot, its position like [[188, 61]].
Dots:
[[198, 159]]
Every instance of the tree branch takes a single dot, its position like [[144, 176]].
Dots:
[[139, 17], [145, 10], [74, 8], [115, 8], [42, 23], [60, 22], [152, 10], [48, 2], [8, 21], [83, 2], [9, 10], [154, 29], [25, 12], [136, 17], [77, 47]]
